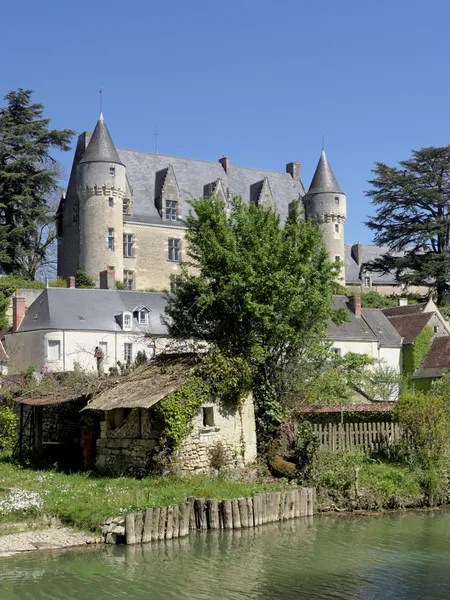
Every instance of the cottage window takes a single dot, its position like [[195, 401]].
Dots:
[[435, 329], [337, 258], [174, 250], [128, 279], [110, 239], [367, 281], [208, 416], [337, 351], [54, 350], [110, 202], [143, 317], [128, 245], [127, 352], [336, 227], [112, 170], [171, 210], [126, 321]]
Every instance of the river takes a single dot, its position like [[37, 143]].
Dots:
[[386, 557]]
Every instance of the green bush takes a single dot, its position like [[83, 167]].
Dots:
[[60, 282], [9, 426], [82, 280], [335, 472]]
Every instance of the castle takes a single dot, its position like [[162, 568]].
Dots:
[[123, 209]]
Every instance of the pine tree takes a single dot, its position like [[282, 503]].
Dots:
[[28, 178], [413, 218]]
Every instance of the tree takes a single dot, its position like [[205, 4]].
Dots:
[[262, 290], [82, 280], [413, 218], [28, 179]]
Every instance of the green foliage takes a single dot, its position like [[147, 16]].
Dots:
[[28, 177], [306, 448], [82, 280], [120, 285], [9, 427], [413, 217], [414, 354], [60, 282], [141, 358], [335, 472], [381, 383], [376, 300], [8, 285]]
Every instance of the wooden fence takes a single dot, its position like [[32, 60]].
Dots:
[[367, 436]]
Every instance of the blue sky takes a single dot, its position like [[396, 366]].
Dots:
[[255, 80]]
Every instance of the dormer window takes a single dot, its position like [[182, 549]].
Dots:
[[171, 210], [143, 317], [127, 321], [112, 170]]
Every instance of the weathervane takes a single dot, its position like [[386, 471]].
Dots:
[[101, 99], [156, 140]]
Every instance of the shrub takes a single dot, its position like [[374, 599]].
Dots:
[[82, 280], [335, 472], [9, 425], [60, 282], [141, 358], [218, 457], [306, 448], [120, 285]]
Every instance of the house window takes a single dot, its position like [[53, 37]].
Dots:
[[208, 416], [337, 259], [174, 249], [128, 244], [112, 170], [127, 352], [127, 321], [337, 351], [336, 227], [110, 239], [104, 348], [366, 281], [171, 210], [128, 279], [336, 199], [143, 317], [110, 202], [53, 350], [126, 207], [173, 284], [435, 329]]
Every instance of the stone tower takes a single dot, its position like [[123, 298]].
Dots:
[[101, 189], [325, 203]]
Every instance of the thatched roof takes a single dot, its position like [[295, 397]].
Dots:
[[144, 388]]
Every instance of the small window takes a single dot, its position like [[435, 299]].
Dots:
[[128, 245], [54, 350], [337, 351], [336, 227], [104, 347], [435, 329], [171, 210], [336, 199], [127, 352], [110, 239], [127, 320], [126, 207], [112, 170], [110, 202], [337, 259], [128, 279], [208, 416], [174, 250], [367, 281], [143, 317]]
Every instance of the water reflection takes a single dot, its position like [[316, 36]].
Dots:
[[366, 557]]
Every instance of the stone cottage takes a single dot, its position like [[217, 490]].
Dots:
[[130, 428]]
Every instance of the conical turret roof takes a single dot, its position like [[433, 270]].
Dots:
[[324, 179], [101, 147]]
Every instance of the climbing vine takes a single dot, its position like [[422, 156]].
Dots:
[[414, 354]]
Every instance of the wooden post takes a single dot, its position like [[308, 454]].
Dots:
[[148, 522], [310, 500], [138, 526], [169, 522], [227, 514], [250, 511], [257, 519], [212, 513], [162, 522], [129, 529], [243, 511], [236, 515], [283, 506], [290, 500], [303, 502], [183, 525], [200, 516], [192, 523], [21, 432]]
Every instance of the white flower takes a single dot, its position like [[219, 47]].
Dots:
[[21, 500]]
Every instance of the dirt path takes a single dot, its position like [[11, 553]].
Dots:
[[43, 539]]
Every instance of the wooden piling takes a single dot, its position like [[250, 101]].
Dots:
[[250, 511], [276, 506], [257, 519], [303, 495], [169, 522], [310, 500], [192, 523], [283, 506], [227, 514], [138, 527], [183, 521], [129, 529], [155, 523], [212, 513], [200, 515], [236, 515], [243, 511], [162, 522], [148, 523]]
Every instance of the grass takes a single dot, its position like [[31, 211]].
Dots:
[[83, 501]]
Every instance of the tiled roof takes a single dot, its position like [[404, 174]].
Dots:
[[439, 354], [369, 407], [410, 325], [408, 309]]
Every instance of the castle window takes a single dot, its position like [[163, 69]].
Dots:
[[208, 416], [174, 250], [128, 279], [337, 259], [110, 239], [112, 170], [128, 244], [336, 227], [127, 352], [336, 199], [171, 210], [367, 281], [126, 207], [110, 202]]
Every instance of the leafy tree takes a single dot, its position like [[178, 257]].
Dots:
[[28, 178], [8, 284], [262, 290], [413, 217], [82, 280]]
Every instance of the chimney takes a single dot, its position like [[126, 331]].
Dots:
[[402, 301], [18, 311], [71, 282], [225, 162], [108, 279], [357, 253], [293, 168], [355, 305]]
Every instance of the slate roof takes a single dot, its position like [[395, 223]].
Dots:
[[410, 325], [408, 309], [437, 361], [101, 147], [369, 253], [371, 326], [324, 179], [88, 310], [192, 175]]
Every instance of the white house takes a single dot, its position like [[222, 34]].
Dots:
[[63, 327]]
